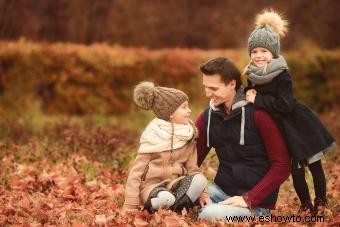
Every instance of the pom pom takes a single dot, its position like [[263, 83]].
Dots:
[[143, 95], [272, 18]]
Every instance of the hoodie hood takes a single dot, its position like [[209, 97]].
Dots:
[[239, 101]]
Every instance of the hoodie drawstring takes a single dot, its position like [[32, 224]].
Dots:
[[241, 130], [242, 126], [208, 128]]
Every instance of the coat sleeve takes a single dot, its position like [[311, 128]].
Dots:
[[202, 149], [132, 187], [283, 102], [278, 156]]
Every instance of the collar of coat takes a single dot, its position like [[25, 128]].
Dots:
[[159, 134]]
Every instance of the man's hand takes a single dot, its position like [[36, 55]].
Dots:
[[250, 95], [204, 199], [236, 201]]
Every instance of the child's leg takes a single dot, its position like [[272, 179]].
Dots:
[[319, 181], [301, 188], [198, 183], [188, 190]]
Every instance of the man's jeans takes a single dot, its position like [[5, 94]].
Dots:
[[220, 211]]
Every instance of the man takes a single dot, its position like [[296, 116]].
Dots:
[[253, 157]]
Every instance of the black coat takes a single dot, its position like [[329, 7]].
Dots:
[[304, 133]]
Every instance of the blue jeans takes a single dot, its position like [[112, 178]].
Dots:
[[220, 211]]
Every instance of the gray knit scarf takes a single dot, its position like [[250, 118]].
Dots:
[[259, 76]]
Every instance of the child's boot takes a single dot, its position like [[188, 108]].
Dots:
[[306, 206], [319, 205]]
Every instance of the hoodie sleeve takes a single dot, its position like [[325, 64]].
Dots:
[[202, 149], [278, 156], [132, 187], [283, 102]]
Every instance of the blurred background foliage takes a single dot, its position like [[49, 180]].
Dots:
[[83, 57], [172, 23], [98, 79]]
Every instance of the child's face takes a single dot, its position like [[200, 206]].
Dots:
[[260, 56], [182, 114]]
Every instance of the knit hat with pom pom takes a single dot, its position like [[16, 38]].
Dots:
[[163, 101], [269, 27]]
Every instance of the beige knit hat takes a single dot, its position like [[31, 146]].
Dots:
[[163, 101]]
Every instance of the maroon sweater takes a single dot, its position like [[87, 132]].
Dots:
[[277, 153]]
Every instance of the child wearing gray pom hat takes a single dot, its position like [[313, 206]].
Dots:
[[270, 88], [165, 174]]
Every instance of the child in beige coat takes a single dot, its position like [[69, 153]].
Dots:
[[165, 172]]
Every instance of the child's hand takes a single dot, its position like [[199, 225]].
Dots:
[[204, 199], [250, 95]]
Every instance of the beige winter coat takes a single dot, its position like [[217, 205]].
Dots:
[[155, 169]]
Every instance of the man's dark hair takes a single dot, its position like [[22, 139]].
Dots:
[[225, 68]]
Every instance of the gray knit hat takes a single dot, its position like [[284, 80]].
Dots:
[[269, 27], [163, 101]]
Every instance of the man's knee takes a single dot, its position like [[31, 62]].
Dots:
[[206, 213], [211, 212]]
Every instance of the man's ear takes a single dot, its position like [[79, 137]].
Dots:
[[233, 83]]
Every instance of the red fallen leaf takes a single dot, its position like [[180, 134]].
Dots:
[[335, 221], [140, 223], [9, 210], [142, 214], [199, 225], [100, 219], [114, 207], [78, 224], [184, 212], [3, 218], [106, 174], [92, 185], [158, 218], [171, 221], [15, 182], [80, 192], [24, 202]]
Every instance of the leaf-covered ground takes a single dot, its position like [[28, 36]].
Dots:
[[66, 173]]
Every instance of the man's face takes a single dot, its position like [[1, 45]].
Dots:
[[217, 90]]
